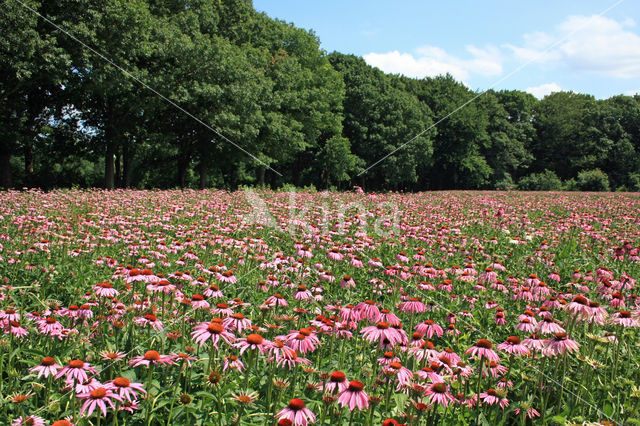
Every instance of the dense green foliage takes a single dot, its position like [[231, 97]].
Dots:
[[213, 93]]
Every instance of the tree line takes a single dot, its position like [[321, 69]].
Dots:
[[168, 93]]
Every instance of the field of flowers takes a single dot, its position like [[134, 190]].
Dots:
[[263, 308]]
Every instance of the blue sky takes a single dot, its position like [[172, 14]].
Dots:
[[566, 44]]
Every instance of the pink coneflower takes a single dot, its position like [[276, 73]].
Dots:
[[112, 356], [579, 306], [302, 293], [234, 362], [151, 357], [451, 357], [598, 314], [492, 397], [367, 310], [227, 277], [403, 374], [529, 411], [483, 349], [161, 286], [387, 358], [534, 342], [17, 330], [302, 341], [560, 344], [389, 317], [87, 386], [347, 282], [50, 326], [356, 261], [185, 358], [428, 328], [413, 306], [494, 369], [213, 331], [513, 345], [198, 302], [463, 370], [424, 351], [222, 309], [624, 319], [213, 291], [276, 300], [548, 326], [98, 397], [76, 370], [297, 413], [124, 388], [438, 393], [382, 334], [526, 325], [354, 396], [337, 382], [290, 359], [334, 254], [10, 314], [149, 320], [402, 257], [253, 342], [237, 322], [105, 290], [46, 368], [428, 373], [488, 276], [28, 421]]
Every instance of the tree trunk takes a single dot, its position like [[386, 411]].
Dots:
[[204, 174], [118, 175], [203, 148], [109, 166], [183, 163], [261, 171], [28, 163], [126, 166], [5, 170]]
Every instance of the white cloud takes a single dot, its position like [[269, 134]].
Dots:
[[586, 44], [632, 92], [430, 61], [543, 90]]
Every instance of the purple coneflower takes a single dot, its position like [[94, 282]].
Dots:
[[297, 413], [354, 396], [438, 393], [483, 349], [99, 397]]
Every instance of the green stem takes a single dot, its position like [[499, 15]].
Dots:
[[149, 396]]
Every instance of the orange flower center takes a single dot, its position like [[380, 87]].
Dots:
[[98, 393], [255, 339], [439, 388], [121, 382], [484, 343], [151, 356], [215, 328], [296, 404], [76, 363], [356, 386], [338, 377], [47, 361]]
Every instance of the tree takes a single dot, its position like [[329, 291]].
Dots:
[[461, 138], [380, 117], [32, 68]]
